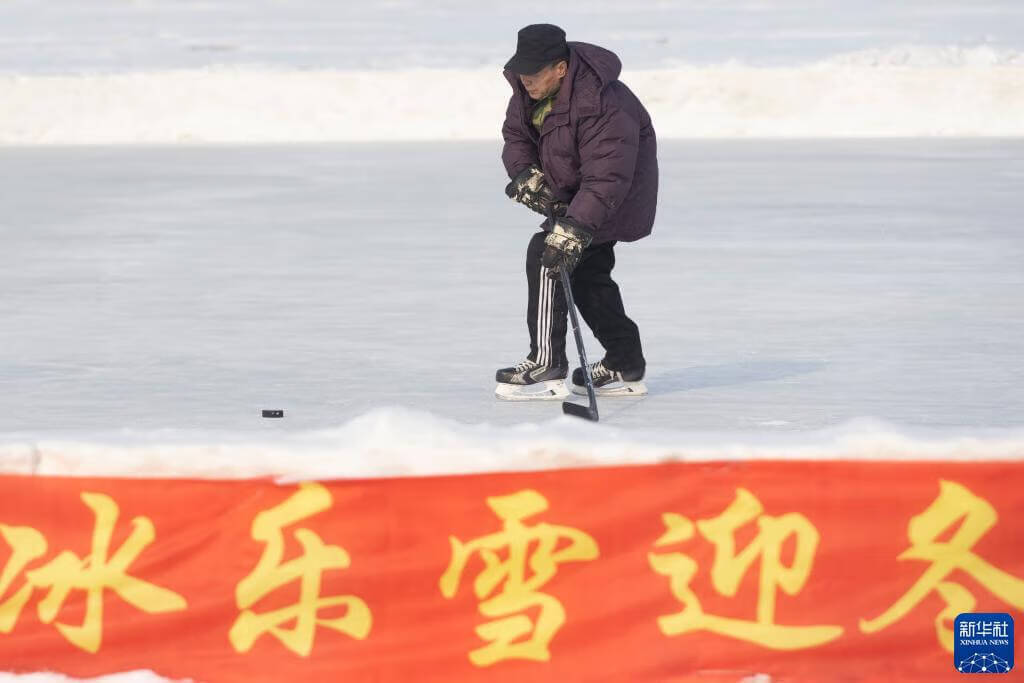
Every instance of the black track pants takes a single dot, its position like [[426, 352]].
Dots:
[[598, 299]]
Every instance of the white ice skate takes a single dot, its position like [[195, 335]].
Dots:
[[530, 381], [609, 382]]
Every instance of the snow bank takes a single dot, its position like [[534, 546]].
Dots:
[[126, 677], [905, 91], [928, 56], [399, 442], [150, 677]]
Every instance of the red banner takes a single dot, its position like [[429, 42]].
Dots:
[[806, 571]]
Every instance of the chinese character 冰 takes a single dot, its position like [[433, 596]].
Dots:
[[97, 572]]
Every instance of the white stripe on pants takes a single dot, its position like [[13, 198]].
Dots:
[[545, 313]]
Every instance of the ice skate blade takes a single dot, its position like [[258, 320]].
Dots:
[[552, 390], [613, 390]]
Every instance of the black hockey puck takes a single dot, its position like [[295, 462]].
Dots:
[[273, 413]]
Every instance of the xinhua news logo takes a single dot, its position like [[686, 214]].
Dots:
[[983, 643]]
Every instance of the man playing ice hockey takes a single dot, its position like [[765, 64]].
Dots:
[[580, 149]]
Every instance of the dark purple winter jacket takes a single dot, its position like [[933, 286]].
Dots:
[[597, 146]]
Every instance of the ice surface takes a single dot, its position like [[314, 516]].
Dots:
[[788, 286], [71, 36]]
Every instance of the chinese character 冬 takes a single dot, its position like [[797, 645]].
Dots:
[[955, 505], [509, 587], [271, 573], [96, 572], [730, 566]]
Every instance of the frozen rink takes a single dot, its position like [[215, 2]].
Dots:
[[70, 36], [213, 207], [788, 286]]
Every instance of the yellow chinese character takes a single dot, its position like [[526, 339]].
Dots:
[[270, 574], [95, 573], [955, 507], [514, 590], [26, 544], [730, 567]]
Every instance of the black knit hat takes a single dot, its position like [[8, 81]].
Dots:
[[538, 46]]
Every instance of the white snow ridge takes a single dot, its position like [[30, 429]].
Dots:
[[901, 91], [399, 442], [124, 677]]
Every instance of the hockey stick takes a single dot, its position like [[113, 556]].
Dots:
[[586, 412]]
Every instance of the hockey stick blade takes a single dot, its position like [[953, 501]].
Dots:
[[576, 410]]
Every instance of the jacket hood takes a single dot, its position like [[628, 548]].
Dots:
[[602, 62]]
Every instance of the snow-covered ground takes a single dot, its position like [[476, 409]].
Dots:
[[788, 286], [125, 677], [947, 93], [224, 71]]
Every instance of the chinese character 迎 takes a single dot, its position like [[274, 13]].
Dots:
[[730, 566]]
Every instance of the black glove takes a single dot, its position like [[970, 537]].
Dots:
[[531, 189], [563, 247]]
